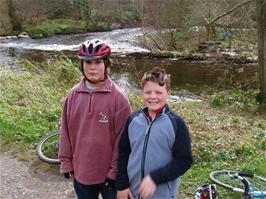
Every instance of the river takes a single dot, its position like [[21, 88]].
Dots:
[[188, 77]]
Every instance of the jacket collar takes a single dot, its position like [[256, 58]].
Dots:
[[165, 110]]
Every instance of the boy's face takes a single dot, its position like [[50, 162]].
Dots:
[[94, 70], [155, 96]]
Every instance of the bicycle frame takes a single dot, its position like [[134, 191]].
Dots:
[[248, 188], [256, 194]]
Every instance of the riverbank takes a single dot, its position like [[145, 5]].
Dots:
[[201, 57]]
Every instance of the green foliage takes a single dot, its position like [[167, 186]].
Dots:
[[261, 98], [98, 26], [30, 106], [63, 26], [181, 36], [238, 98], [136, 102], [5, 31], [259, 168], [51, 27]]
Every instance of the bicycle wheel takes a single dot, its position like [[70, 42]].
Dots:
[[47, 148], [228, 180]]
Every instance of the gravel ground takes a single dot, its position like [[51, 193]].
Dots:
[[32, 179]]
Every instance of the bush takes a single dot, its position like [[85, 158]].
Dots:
[[98, 26], [5, 31], [51, 27], [238, 98]]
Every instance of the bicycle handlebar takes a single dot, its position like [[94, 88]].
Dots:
[[243, 174]]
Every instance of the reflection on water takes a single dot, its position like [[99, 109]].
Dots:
[[192, 76], [10, 61]]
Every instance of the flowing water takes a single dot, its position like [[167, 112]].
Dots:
[[187, 76]]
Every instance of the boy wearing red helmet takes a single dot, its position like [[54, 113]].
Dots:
[[94, 115]]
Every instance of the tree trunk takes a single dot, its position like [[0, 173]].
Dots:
[[14, 20], [261, 24]]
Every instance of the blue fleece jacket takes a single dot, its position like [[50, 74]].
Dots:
[[161, 149]]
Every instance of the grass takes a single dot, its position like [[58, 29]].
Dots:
[[224, 134]]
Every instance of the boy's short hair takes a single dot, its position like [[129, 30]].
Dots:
[[157, 75]]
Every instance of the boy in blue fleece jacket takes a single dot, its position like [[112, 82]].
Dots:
[[155, 148]]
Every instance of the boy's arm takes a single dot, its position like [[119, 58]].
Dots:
[[182, 157], [120, 119], [122, 181], [65, 151]]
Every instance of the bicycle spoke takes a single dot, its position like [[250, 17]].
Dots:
[[258, 184]]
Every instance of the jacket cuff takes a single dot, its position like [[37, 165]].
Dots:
[[155, 178], [121, 187], [66, 167], [112, 175]]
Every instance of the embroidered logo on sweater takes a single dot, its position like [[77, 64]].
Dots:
[[103, 118]]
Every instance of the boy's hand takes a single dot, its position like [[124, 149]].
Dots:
[[147, 187], [125, 194], [69, 174], [109, 183]]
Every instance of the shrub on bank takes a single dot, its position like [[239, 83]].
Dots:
[[63, 26], [5, 31], [245, 100]]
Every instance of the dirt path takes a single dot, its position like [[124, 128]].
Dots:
[[34, 179]]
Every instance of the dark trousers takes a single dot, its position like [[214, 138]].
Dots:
[[92, 191]]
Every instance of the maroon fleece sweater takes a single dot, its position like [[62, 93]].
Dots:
[[91, 126]]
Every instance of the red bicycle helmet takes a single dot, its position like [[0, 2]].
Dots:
[[94, 49]]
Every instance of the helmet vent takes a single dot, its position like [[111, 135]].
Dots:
[[98, 48], [90, 48], [84, 48]]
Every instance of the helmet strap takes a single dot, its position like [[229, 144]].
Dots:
[[92, 82], [87, 79]]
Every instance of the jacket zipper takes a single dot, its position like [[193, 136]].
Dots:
[[91, 93], [147, 135], [90, 102]]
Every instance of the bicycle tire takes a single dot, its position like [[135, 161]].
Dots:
[[41, 147], [223, 179]]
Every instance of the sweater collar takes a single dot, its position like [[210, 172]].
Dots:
[[105, 87]]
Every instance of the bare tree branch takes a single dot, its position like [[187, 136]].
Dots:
[[230, 11]]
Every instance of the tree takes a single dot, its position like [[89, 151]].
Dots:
[[261, 27], [14, 19], [160, 16], [83, 9], [216, 13]]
